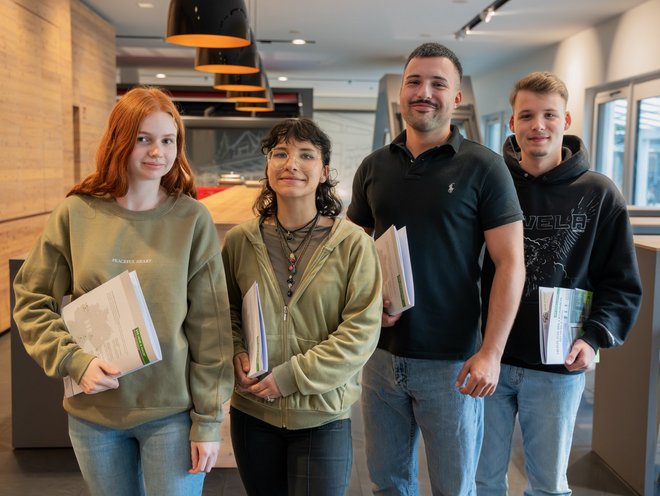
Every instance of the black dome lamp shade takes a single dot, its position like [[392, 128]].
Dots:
[[242, 60], [241, 82], [208, 23], [255, 107]]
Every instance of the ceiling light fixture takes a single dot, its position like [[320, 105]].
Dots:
[[297, 41], [241, 82], [208, 23], [250, 96], [484, 16], [242, 60], [487, 15], [282, 78], [255, 107]]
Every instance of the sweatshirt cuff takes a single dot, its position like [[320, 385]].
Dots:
[[205, 432], [592, 336], [286, 381], [76, 364]]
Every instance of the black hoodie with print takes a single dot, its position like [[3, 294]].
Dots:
[[577, 235]]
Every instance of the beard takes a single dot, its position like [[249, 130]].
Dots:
[[425, 122]]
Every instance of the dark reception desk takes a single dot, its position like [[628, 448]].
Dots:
[[37, 417]]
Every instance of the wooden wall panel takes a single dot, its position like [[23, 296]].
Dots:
[[31, 103], [94, 79], [57, 54]]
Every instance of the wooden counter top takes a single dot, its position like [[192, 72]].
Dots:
[[648, 241], [232, 206]]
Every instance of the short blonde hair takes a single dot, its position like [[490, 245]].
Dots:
[[540, 82]]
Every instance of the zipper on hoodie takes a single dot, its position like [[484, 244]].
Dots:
[[285, 315]]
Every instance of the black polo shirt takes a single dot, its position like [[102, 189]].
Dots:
[[446, 197]]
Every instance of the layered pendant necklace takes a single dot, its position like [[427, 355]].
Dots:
[[293, 256]]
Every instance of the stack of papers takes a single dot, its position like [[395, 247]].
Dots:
[[562, 312], [255, 332], [398, 288], [113, 322]]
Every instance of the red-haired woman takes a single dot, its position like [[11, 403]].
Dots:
[[154, 431]]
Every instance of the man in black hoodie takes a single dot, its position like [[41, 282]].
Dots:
[[577, 235]]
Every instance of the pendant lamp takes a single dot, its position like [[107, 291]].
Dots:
[[243, 60], [241, 82], [208, 23], [255, 107], [250, 96]]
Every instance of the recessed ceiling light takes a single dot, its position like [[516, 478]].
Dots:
[[282, 78], [145, 5], [160, 75], [298, 41]]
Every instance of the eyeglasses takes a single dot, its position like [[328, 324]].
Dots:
[[304, 159]]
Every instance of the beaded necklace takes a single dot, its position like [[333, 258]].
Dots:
[[293, 256]]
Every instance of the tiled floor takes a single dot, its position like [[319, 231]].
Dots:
[[46, 472]]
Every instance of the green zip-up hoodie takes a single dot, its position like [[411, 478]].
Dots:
[[318, 344]]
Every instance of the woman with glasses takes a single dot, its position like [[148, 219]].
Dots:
[[319, 285]]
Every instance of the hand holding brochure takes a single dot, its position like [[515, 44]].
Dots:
[[398, 288], [562, 312], [112, 321], [255, 332]]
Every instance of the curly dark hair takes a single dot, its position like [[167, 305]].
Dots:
[[287, 131]]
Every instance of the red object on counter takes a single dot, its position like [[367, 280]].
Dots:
[[204, 191]]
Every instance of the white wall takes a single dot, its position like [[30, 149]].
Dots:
[[351, 134], [621, 48]]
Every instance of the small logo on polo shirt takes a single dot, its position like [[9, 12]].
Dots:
[[451, 188]]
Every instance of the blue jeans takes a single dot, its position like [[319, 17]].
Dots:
[[402, 396], [546, 404], [150, 459], [274, 461]]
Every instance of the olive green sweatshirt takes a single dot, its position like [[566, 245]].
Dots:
[[175, 251]]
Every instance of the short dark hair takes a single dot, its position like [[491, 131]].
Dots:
[[436, 50], [542, 82], [299, 129]]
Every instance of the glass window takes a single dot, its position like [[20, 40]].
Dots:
[[610, 139], [496, 130], [627, 139], [647, 152]]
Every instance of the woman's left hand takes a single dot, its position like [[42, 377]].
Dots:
[[204, 455], [266, 388]]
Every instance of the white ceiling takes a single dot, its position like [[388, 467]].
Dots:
[[356, 41]]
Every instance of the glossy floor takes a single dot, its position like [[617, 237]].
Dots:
[[52, 472]]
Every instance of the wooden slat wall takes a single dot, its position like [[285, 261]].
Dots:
[[49, 69]]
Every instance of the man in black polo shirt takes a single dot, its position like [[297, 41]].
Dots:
[[429, 372]]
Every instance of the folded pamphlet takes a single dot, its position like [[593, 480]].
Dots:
[[255, 332], [394, 256], [562, 312], [112, 321]]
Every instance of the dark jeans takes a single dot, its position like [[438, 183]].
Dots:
[[274, 461]]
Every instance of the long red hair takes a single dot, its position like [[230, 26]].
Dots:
[[118, 141]]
